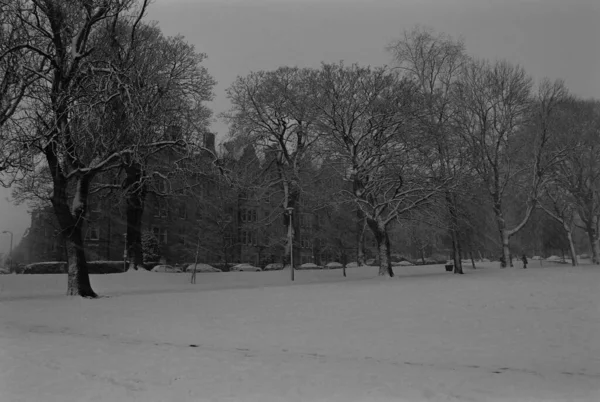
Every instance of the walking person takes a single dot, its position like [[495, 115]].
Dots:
[[524, 259]]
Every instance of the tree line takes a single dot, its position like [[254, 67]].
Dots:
[[96, 100]]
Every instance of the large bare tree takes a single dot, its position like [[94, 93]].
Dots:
[[368, 120], [63, 125], [507, 129], [577, 175], [434, 62], [160, 112], [274, 111]]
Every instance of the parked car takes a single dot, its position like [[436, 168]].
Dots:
[[166, 268], [333, 265], [245, 267], [276, 266], [202, 268], [308, 265]]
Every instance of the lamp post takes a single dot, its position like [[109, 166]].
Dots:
[[11, 246], [290, 211], [125, 253]]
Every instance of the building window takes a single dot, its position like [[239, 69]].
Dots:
[[160, 234], [182, 236], [304, 220], [248, 238], [95, 208], [161, 185], [182, 211], [160, 212], [248, 215], [305, 242], [202, 188], [92, 233]]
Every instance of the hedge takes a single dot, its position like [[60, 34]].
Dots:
[[59, 267], [53, 267]]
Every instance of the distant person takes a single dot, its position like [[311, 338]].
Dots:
[[524, 259]]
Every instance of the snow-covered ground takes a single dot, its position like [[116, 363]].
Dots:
[[427, 335]]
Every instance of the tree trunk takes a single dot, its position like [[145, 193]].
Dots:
[[456, 251], [383, 245], [360, 239], [136, 197], [70, 221], [506, 249], [78, 280], [593, 239], [572, 251], [472, 259]]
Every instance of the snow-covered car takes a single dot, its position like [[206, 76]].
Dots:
[[245, 268], [276, 266], [4, 271], [167, 268], [308, 265], [334, 265], [404, 263], [202, 268], [554, 258], [353, 264]]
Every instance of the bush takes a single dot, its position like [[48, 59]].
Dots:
[[437, 259], [59, 267], [51, 267], [150, 248], [105, 267]]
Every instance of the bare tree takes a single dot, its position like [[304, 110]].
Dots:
[[368, 121], [163, 90], [274, 111], [508, 133], [558, 205], [67, 111], [577, 175], [434, 62], [20, 66]]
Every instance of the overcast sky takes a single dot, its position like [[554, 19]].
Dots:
[[553, 38]]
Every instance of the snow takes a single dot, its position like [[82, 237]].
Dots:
[[427, 335]]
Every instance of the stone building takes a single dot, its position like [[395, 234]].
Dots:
[[217, 223]]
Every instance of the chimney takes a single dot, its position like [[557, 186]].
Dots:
[[209, 141]]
